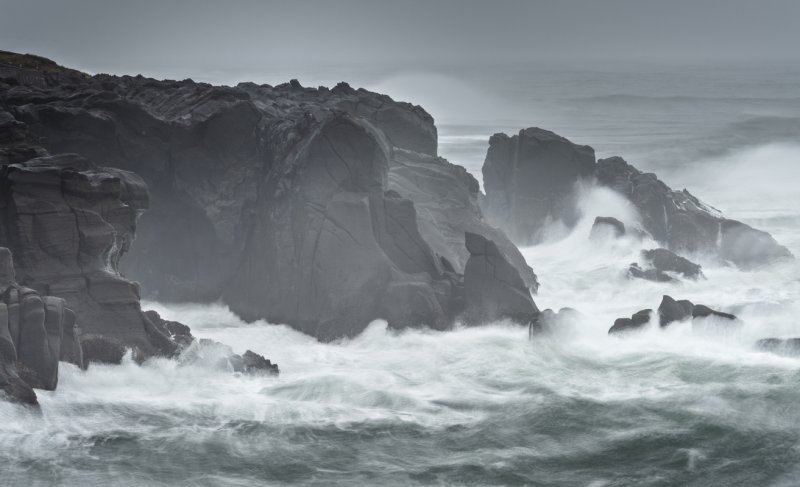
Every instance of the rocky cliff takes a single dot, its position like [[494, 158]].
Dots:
[[36, 332], [320, 208]]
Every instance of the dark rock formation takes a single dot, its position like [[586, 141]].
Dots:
[[606, 226], [549, 321], [670, 311], [177, 332], [493, 289], [530, 178], [666, 261], [103, 350], [662, 265], [36, 332], [703, 311], [213, 354], [320, 208], [446, 198], [636, 321], [68, 223], [649, 274], [682, 223]]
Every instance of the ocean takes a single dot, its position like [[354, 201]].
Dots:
[[486, 406]]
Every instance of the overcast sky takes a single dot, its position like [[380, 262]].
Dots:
[[181, 37]]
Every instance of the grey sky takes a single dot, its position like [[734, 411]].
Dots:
[[182, 36]]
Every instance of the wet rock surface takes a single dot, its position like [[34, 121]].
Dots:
[[637, 321], [530, 180], [606, 226], [662, 265], [493, 290], [673, 311], [336, 194], [36, 332]]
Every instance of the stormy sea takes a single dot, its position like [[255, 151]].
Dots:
[[696, 406]]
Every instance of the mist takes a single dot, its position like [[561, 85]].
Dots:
[[276, 39]]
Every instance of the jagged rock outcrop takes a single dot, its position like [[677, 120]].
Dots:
[[683, 223], [671, 311], [36, 332], [493, 289], [530, 178], [209, 353], [320, 208], [636, 321], [661, 265], [606, 226], [68, 223], [446, 198]]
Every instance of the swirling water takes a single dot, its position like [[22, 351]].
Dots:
[[476, 406]]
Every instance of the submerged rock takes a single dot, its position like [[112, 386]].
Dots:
[[780, 346], [549, 321], [662, 265], [606, 226], [210, 353]]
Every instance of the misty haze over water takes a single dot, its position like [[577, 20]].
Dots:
[[716, 111]]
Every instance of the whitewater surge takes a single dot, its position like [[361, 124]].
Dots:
[[475, 406], [486, 406]]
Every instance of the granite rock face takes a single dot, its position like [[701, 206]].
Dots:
[[530, 179], [68, 223], [320, 208], [36, 332], [493, 290]]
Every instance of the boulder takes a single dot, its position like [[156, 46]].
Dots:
[[530, 179], [661, 265], [606, 226], [667, 261], [493, 289], [637, 321], [703, 311], [670, 311]]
